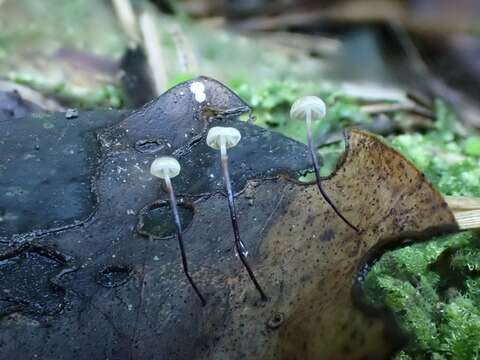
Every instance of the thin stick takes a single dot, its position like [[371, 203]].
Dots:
[[153, 50], [186, 59], [468, 219], [233, 215], [128, 20], [466, 211], [383, 108], [176, 217], [317, 174]]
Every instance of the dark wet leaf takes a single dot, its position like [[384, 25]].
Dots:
[[47, 164]]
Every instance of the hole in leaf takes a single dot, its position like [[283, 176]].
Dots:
[[114, 275], [156, 220]]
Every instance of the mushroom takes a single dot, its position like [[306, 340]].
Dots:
[[311, 108], [165, 168], [223, 138]]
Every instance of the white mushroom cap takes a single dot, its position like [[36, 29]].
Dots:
[[308, 104], [165, 166], [229, 135]]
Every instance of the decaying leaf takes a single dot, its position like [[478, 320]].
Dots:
[[101, 231]]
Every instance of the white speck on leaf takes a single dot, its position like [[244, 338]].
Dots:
[[198, 89]]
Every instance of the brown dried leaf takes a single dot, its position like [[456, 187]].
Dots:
[[309, 258]]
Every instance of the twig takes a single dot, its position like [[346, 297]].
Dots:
[[128, 20], [186, 59], [383, 108], [153, 50], [31, 95], [466, 211]]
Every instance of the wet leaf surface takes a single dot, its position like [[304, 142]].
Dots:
[[129, 290], [47, 164]]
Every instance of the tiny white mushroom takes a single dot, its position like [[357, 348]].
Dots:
[[308, 109], [167, 167], [223, 138]]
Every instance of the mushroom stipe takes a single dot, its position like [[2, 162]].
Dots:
[[165, 168], [316, 168], [221, 138], [309, 108]]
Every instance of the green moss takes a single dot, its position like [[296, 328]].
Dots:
[[471, 146], [443, 157], [433, 290]]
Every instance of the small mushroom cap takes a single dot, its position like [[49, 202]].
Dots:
[[165, 166], [306, 104], [230, 135]]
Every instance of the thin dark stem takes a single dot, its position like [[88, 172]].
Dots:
[[236, 231], [178, 225], [316, 167]]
